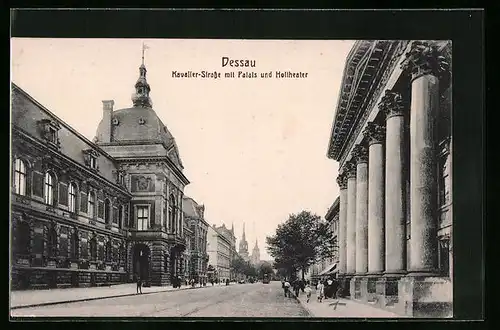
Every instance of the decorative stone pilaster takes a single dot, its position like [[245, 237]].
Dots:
[[350, 169], [427, 68], [360, 154], [395, 201], [342, 182], [376, 199]]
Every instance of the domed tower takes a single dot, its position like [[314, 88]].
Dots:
[[243, 251], [151, 169], [256, 254]]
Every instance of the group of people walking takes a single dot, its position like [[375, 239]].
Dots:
[[324, 289]]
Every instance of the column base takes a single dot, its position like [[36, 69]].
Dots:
[[386, 291], [423, 273], [344, 284], [355, 287], [426, 297]]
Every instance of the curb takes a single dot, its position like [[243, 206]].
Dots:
[[97, 298], [304, 305]]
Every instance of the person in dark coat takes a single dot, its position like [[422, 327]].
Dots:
[[139, 284]]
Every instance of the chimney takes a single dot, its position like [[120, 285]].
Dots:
[[107, 114]]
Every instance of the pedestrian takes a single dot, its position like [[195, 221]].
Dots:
[[320, 291], [308, 291], [139, 284], [296, 288], [287, 288], [328, 289]]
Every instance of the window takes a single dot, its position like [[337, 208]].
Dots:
[[142, 217], [51, 135], [171, 214], [93, 162], [23, 238], [444, 181], [91, 210], [444, 256], [93, 248], [48, 191], [120, 216], [74, 245], [52, 243], [107, 211], [20, 177], [72, 197]]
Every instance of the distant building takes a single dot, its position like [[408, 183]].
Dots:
[[194, 215], [243, 250], [255, 259], [220, 247]]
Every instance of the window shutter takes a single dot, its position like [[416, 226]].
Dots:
[[63, 194], [100, 210], [38, 184], [84, 202]]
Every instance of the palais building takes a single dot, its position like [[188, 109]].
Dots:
[[95, 213], [392, 138]]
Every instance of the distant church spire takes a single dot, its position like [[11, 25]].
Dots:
[[141, 97]]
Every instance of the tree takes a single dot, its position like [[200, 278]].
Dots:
[[238, 265], [297, 243], [328, 247], [265, 268]]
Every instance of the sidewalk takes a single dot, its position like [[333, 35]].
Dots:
[[341, 308], [32, 298]]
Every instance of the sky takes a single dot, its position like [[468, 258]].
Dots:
[[254, 149]]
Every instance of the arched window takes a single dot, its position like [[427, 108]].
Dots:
[[20, 177], [48, 189], [74, 245], [107, 211], [91, 208], [171, 214], [72, 197]]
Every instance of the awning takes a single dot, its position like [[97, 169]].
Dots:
[[329, 270]]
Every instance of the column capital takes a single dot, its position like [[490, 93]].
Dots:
[[350, 170], [374, 133], [360, 154], [342, 181], [424, 58], [392, 104]]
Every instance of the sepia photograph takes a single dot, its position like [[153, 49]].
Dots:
[[231, 178]]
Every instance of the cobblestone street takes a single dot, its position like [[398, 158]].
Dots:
[[236, 300]]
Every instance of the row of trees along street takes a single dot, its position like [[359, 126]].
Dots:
[[300, 242], [245, 268]]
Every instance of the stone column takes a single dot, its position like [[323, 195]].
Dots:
[[376, 191], [342, 182], [395, 215], [351, 219], [360, 154], [427, 68]]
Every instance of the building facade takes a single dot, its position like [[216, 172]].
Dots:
[[243, 247], [255, 258], [219, 251], [195, 218], [392, 138], [95, 213]]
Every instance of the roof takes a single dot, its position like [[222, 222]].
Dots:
[[363, 71], [333, 210]]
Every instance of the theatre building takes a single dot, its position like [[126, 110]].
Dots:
[[392, 138], [95, 213]]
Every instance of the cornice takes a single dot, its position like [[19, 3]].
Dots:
[[384, 56]]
